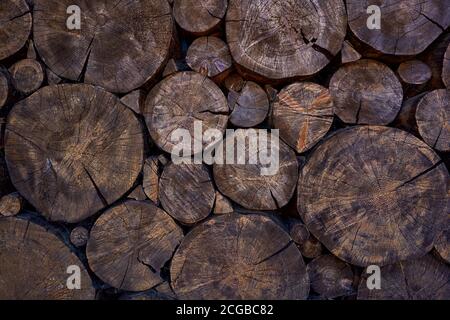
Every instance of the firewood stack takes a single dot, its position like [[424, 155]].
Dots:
[[90, 189]]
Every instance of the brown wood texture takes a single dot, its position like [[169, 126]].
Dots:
[[366, 204], [193, 201], [442, 244], [15, 26], [303, 113], [269, 39], [366, 92], [209, 56], [178, 102], [239, 257], [249, 106], [72, 149], [414, 72], [446, 68], [4, 88], [11, 204], [27, 75], [34, 262], [244, 184], [199, 17], [425, 278], [79, 236], [433, 119], [408, 27], [120, 46], [130, 243], [349, 54]]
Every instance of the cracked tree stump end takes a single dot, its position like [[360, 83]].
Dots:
[[11, 204], [119, 46], [27, 75], [425, 278], [179, 102], [234, 257], [15, 26], [249, 106], [366, 92], [130, 243], [304, 114], [414, 72], [72, 149], [330, 277], [407, 27], [209, 56], [374, 195], [79, 236], [279, 40], [433, 119], [247, 184], [199, 17], [187, 192], [34, 264]]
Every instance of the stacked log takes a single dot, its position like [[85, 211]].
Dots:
[[213, 149]]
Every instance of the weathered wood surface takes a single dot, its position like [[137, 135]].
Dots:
[[222, 205], [303, 113], [199, 17], [79, 236], [34, 264], [433, 119], [366, 92], [119, 46], [407, 27], [27, 75], [209, 56], [279, 40], [130, 243], [15, 26], [446, 68], [311, 248], [4, 88], [244, 183], [349, 54], [72, 149], [425, 278], [414, 72], [11, 204], [367, 204], [239, 257], [249, 105], [193, 201], [330, 277], [178, 102], [442, 244]]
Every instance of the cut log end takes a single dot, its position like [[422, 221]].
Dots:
[[349, 54], [147, 238], [250, 106], [4, 88], [27, 75], [303, 113], [414, 72], [253, 248], [432, 117], [209, 56], [79, 236], [442, 245], [366, 92], [446, 68], [222, 205], [11, 204], [349, 188], [311, 248]]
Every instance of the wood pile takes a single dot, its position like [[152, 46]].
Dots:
[[93, 204]]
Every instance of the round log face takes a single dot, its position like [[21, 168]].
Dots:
[[446, 68], [199, 17], [366, 92], [120, 46], [425, 278], [407, 27], [442, 245], [34, 264], [180, 102], [251, 106], [247, 185], [209, 55], [72, 149], [187, 192], [285, 39], [433, 119], [130, 243], [374, 195], [330, 277], [239, 257], [27, 75], [4, 89], [15, 26], [414, 72], [303, 113]]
